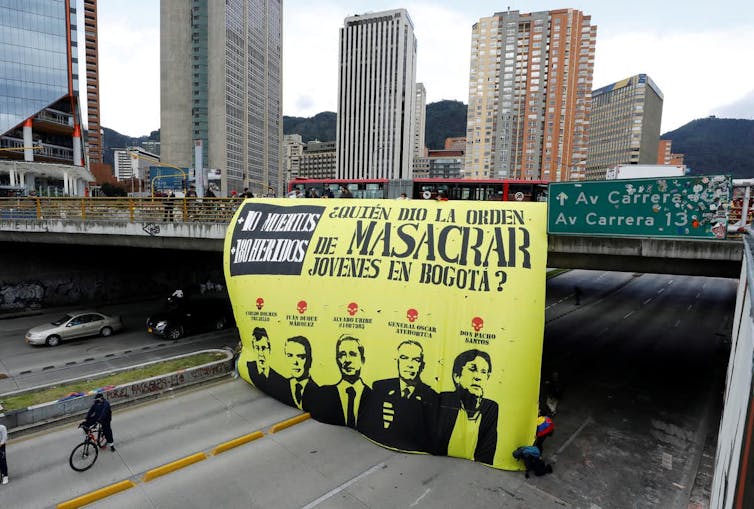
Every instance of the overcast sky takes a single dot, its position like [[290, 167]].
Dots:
[[696, 52]]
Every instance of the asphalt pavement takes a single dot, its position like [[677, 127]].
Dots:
[[305, 466]]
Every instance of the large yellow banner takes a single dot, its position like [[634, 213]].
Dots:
[[419, 324]]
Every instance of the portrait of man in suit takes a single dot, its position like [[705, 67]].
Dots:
[[298, 353], [399, 411], [467, 421], [341, 403], [261, 373]]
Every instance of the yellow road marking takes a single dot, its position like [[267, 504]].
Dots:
[[230, 444], [93, 496], [175, 465]]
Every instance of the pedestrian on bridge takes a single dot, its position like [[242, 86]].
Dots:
[[169, 204], [3, 460]]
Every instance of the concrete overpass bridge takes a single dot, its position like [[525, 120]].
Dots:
[[59, 251], [185, 225]]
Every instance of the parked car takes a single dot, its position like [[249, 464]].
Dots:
[[183, 316], [74, 325]]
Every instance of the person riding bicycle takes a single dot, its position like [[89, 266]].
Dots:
[[101, 413]]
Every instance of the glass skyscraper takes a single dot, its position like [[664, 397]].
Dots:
[[39, 85], [221, 84]]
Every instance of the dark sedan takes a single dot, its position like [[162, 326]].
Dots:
[[191, 316]]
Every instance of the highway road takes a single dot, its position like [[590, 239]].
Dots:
[[641, 360], [29, 366]]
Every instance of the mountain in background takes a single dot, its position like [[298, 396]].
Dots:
[[718, 146], [445, 119], [710, 145], [320, 127], [113, 140]]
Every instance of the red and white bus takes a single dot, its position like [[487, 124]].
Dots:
[[424, 189]]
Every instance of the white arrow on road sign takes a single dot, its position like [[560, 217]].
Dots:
[[562, 197]]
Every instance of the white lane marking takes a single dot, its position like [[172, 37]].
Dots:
[[677, 323], [629, 314], [661, 290], [667, 461], [572, 437], [419, 499], [600, 333], [647, 301], [688, 308], [343, 486]]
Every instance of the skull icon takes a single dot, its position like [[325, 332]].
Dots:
[[260, 303], [353, 308], [477, 323], [412, 315], [301, 306]]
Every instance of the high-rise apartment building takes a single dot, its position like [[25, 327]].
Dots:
[[40, 119], [665, 154], [376, 95], [624, 126], [293, 147], [529, 95], [420, 119], [94, 132], [221, 85], [445, 164], [318, 160]]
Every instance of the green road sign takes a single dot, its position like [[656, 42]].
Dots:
[[687, 207]]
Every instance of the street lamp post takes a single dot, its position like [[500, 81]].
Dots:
[[182, 171]]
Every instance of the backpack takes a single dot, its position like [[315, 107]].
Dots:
[[545, 426]]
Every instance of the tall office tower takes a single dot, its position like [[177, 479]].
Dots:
[[40, 120], [420, 119], [624, 126], [94, 134], [529, 95], [221, 84], [376, 95]]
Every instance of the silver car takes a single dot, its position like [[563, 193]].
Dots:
[[74, 325]]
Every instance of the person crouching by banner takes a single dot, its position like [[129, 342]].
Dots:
[[467, 422], [533, 462], [399, 411]]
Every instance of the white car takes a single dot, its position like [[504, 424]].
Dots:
[[74, 325]]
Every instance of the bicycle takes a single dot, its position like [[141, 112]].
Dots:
[[85, 454]]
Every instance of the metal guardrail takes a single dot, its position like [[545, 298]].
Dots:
[[131, 210]]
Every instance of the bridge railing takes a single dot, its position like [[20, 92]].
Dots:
[[733, 479], [143, 210], [220, 210]]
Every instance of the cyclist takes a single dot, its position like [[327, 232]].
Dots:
[[100, 412]]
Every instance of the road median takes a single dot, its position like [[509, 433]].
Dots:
[[75, 401]]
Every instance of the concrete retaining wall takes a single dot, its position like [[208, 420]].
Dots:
[[34, 276], [45, 413]]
